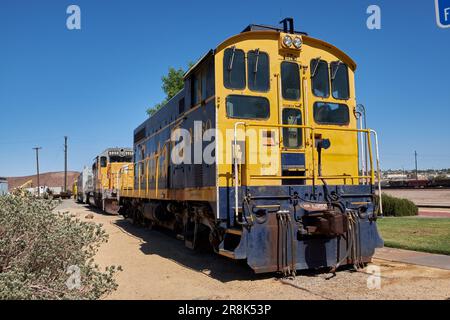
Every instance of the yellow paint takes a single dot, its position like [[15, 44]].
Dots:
[[110, 177], [208, 194], [341, 159]]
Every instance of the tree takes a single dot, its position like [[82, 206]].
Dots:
[[172, 83]]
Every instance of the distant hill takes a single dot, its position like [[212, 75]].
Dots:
[[49, 179]]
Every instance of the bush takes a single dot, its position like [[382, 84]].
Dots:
[[46, 255], [397, 207]]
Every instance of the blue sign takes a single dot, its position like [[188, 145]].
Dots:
[[443, 13]]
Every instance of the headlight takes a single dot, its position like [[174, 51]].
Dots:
[[297, 42], [287, 41]]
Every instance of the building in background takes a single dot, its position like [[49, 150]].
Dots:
[[3, 186]]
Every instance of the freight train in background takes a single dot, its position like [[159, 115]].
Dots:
[[313, 205]]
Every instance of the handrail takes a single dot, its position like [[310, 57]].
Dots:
[[236, 168], [367, 176], [380, 197], [314, 177]]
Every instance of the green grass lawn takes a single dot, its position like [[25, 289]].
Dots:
[[414, 233]]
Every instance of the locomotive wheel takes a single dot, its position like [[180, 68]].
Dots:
[[136, 218]]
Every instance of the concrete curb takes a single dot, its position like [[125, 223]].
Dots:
[[439, 261]]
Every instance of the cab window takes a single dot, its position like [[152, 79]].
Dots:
[[247, 107], [118, 159], [319, 78], [103, 162], [258, 71], [292, 137], [339, 80], [290, 80], [331, 113], [234, 69]]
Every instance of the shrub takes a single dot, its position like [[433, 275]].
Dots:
[[398, 207], [44, 253]]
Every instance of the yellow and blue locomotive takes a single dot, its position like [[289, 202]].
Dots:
[[262, 156], [103, 183]]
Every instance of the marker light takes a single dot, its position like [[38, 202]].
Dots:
[[297, 42], [287, 41]]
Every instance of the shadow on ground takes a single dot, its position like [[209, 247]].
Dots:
[[164, 244]]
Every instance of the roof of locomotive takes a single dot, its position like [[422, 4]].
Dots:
[[259, 29], [116, 149], [262, 27], [256, 30]]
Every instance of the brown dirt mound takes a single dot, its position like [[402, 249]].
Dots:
[[49, 179]]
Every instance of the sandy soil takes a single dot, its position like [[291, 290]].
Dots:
[[157, 266], [423, 196]]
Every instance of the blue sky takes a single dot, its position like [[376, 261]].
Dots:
[[95, 84]]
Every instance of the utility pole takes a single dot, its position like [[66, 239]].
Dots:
[[37, 169], [65, 164], [417, 174]]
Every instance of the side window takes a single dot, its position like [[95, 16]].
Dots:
[[319, 78], [292, 137], [290, 80], [339, 80], [331, 113], [258, 71], [103, 162], [234, 69]]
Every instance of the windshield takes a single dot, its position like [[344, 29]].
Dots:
[[258, 71], [339, 81], [115, 159], [290, 80], [234, 69], [319, 78]]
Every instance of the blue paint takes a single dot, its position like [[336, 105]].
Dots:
[[292, 160], [443, 13], [260, 243]]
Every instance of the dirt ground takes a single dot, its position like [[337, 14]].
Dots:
[[423, 196], [157, 266]]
